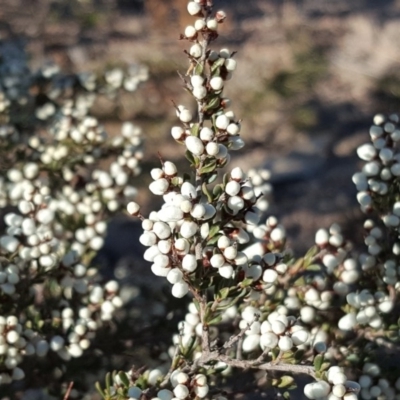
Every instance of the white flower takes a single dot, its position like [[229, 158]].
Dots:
[[189, 263], [216, 83], [230, 64], [197, 80], [174, 275], [222, 122], [268, 340], [206, 134], [133, 208], [251, 343], [226, 271], [170, 213], [185, 115], [199, 24], [232, 188], [194, 145], [188, 229], [190, 31], [199, 92], [193, 8], [196, 50], [159, 186], [180, 289], [188, 190], [212, 24]]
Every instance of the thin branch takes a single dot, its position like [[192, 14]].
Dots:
[[67, 394]]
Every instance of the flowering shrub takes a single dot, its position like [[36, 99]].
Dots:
[[331, 315], [328, 315], [56, 199]]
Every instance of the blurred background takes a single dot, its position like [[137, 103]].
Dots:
[[311, 75]]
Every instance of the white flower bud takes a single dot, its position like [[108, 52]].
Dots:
[[199, 92], [222, 122], [193, 8], [199, 24], [198, 211], [159, 187], [17, 374], [162, 230], [347, 322], [188, 190], [134, 392], [133, 208], [174, 276], [236, 204], [230, 64], [180, 289], [206, 134], [366, 152], [169, 168], [190, 31], [194, 145], [185, 115], [177, 133], [196, 51], [212, 149], [170, 213], [251, 343], [268, 340], [232, 188], [285, 343], [233, 129], [212, 24], [217, 261], [189, 263], [188, 229], [216, 83]]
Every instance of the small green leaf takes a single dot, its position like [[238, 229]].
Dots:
[[223, 293], [217, 66], [213, 103], [213, 231], [195, 129], [246, 282], [217, 191], [285, 381], [209, 166], [198, 70], [215, 320], [100, 390], [124, 378], [212, 178], [190, 157], [207, 192], [318, 360]]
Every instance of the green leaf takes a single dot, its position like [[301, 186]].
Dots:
[[213, 231], [213, 103], [207, 192], [100, 390], [215, 320], [209, 166], [223, 293], [190, 157], [285, 381], [225, 179], [318, 360], [124, 378], [217, 191], [212, 178], [246, 282], [198, 70], [195, 129], [217, 66]]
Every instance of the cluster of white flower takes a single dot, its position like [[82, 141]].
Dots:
[[278, 330], [336, 387], [61, 199], [382, 158]]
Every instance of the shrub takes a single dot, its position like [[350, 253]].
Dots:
[[259, 317]]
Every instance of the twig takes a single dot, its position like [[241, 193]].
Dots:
[[67, 394]]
